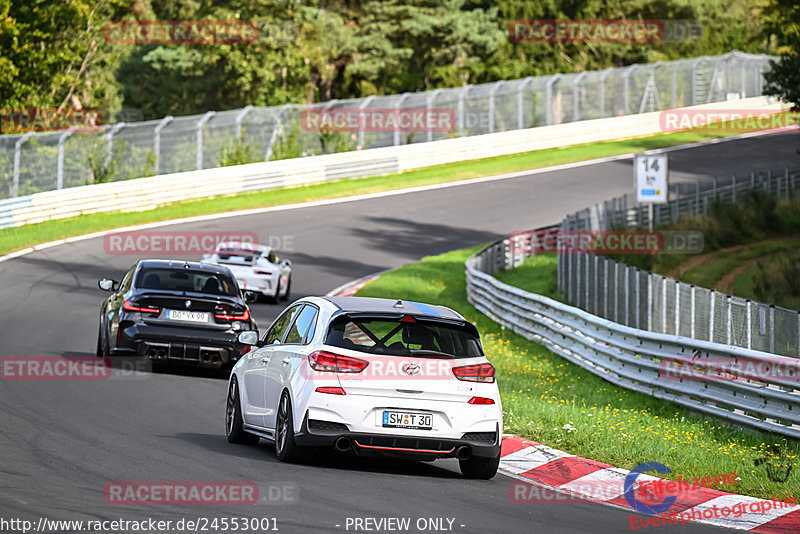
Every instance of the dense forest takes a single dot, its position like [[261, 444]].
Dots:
[[57, 53]]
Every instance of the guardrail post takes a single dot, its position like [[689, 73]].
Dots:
[[157, 141], [17, 149], [60, 163], [199, 135]]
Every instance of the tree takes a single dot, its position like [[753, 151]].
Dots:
[[782, 29]]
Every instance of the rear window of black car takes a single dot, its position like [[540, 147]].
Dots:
[[409, 337], [187, 280]]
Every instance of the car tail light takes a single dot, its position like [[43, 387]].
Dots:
[[127, 306], [245, 316], [335, 363], [245, 349], [259, 271], [480, 400], [483, 372], [331, 390]]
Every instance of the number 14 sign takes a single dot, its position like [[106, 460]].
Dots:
[[650, 173]]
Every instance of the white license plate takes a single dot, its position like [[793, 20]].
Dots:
[[181, 315], [422, 421]]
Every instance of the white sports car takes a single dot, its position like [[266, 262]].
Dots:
[[369, 376], [259, 272]]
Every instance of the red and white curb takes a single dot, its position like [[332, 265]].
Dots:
[[594, 481], [349, 289]]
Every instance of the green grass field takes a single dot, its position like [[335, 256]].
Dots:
[[12, 239], [551, 401]]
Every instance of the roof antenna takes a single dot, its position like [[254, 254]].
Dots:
[[398, 304]]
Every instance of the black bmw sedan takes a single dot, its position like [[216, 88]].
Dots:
[[174, 312]]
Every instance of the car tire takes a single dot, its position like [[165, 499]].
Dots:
[[478, 467], [285, 447], [234, 424], [288, 292], [102, 349]]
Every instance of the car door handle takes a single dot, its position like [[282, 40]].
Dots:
[[265, 360], [286, 361]]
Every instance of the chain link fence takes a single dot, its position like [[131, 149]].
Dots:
[[640, 299], [36, 162]]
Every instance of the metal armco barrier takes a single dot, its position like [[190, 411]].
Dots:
[[631, 357]]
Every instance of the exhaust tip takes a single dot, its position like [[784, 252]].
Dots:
[[463, 452], [343, 444]]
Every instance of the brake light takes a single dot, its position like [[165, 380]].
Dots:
[[127, 306], [245, 350], [483, 372], [480, 400], [335, 363], [245, 316], [259, 271], [331, 390]]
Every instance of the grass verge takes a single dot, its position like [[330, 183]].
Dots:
[[549, 400], [12, 239]]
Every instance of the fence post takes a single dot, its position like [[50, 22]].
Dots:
[[786, 174], [663, 304], [603, 77], [616, 291], [626, 274], [728, 322], [521, 103], [428, 106], [549, 98], [569, 279], [586, 283], [278, 128], [626, 87], [694, 81], [60, 163], [772, 329], [199, 135], [575, 98], [605, 289], [692, 296], [711, 316], [638, 309], [157, 141], [240, 118], [110, 140], [650, 301], [492, 91], [677, 308], [397, 123], [674, 84], [17, 150], [734, 188], [594, 286], [461, 96], [697, 197], [748, 323]]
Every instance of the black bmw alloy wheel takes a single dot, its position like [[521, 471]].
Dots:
[[234, 424]]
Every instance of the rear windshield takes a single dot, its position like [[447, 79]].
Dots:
[[187, 280], [247, 255], [400, 338]]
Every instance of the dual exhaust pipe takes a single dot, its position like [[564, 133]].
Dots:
[[344, 444], [157, 354]]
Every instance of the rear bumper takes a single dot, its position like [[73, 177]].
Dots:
[[205, 348], [316, 433]]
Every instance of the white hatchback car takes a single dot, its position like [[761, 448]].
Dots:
[[369, 376], [259, 272]]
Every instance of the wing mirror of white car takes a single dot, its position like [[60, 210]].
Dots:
[[287, 263], [107, 285], [248, 337]]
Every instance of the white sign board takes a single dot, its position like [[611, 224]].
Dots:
[[650, 174]]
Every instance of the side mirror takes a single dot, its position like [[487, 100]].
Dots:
[[287, 263], [249, 296], [107, 285], [248, 337]]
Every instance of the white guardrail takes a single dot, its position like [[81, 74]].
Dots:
[[147, 193], [639, 360]]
